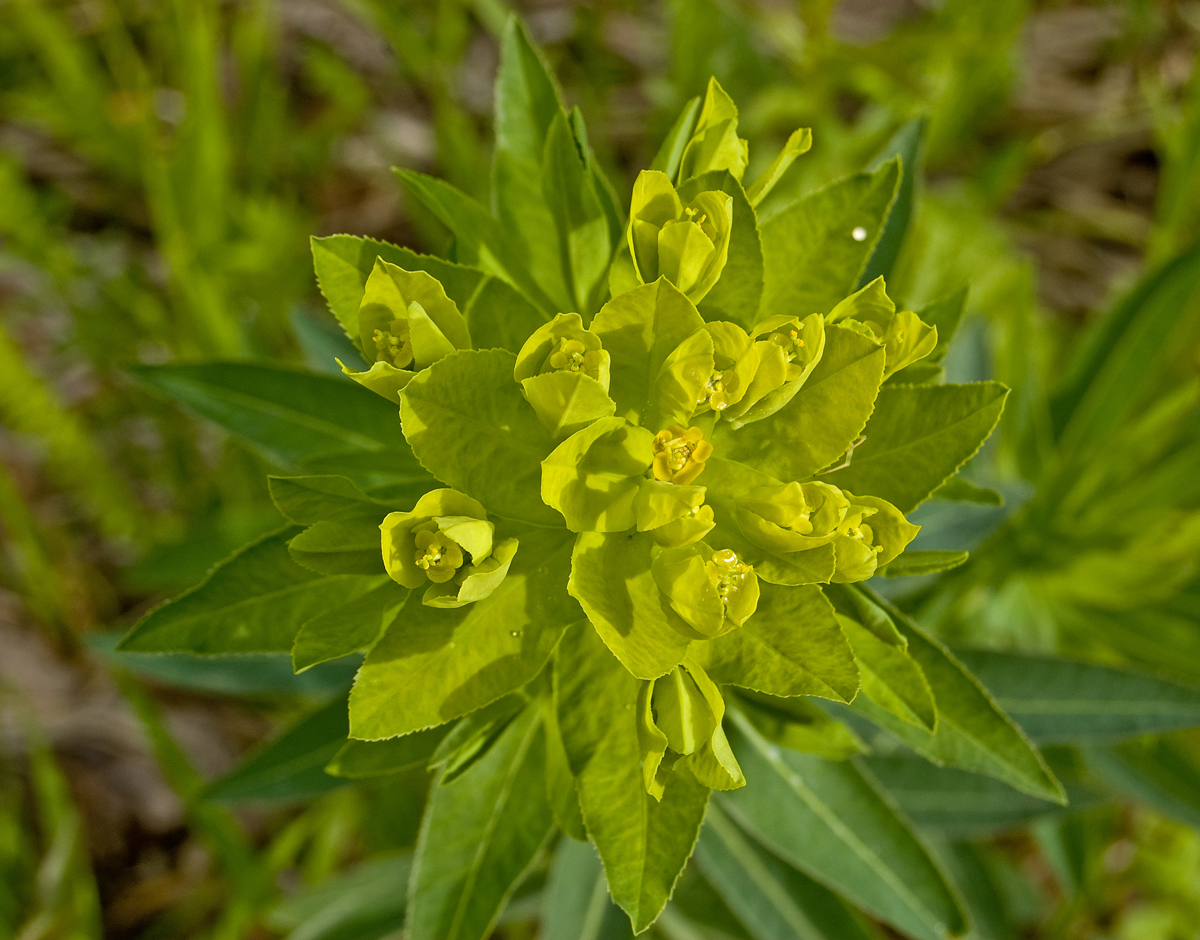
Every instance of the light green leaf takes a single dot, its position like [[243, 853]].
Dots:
[[1064, 701], [824, 418], [811, 257], [296, 419], [465, 417], [350, 627], [292, 766], [305, 500], [254, 601], [343, 547], [611, 579], [890, 677], [644, 843], [828, 820], [575, 904], [670, 154], [452, 661], [918, 437], [929, 561], [585, 243], [773, 900], [973, 733], [480, 834], [959, 490], [738, 291], [640, 329], [792, 645], [527, 102], [566, 401], [497, 314], [360, 759], [906, 144], [593, 477], [799, 143]]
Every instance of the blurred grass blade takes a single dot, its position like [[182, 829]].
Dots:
[[575, 904], [365, 903], [1157, 774]]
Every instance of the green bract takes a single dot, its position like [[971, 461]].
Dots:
[[700, 463]]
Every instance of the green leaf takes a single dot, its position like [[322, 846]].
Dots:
[[295, 419], [360, 904], [1063, 701], [799, 143], [527, 103], [292, 766], [671, 152], [959, 490], [773, 900], [497, 314], [560, 782], [828, 820], [946, 314], [465, 417], [436, 664], [644, 843], [585, 243], [930, 561], [973, 733], [917, 439], [611, 579], [360, 759], [345, 547], [480, 241], [799, 724], [823, 419], [906, 144], [575, 904], [792, 645], [590, 686], [956, 802], [640, 329], [349, 627], [737, 293], [811, 259], [1156, 773], [305, 500], [480, 834], [890, 677], [254, 601]]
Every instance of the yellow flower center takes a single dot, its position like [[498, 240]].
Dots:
[[437, 556], [394, 345], [679, 454]]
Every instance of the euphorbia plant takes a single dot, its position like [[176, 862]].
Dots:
[[648, 459]]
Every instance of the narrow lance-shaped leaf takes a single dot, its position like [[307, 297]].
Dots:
[[906, 144]]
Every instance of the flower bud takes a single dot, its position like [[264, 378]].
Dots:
[[405, 323], [679, 454], [563, 345], [446, 541], [714, 144], [904, 335], [593, 477], [688, 245], [712, 592], [872, 533], [791, 517], [673, 515]]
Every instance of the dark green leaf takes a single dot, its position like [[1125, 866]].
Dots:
[[891, 678], [292, 766], [305, 500], [671, 152], [930, 561], [906, 144], [1157, 773], [959, 490], [254, 601], [946, 314], [827, 820], [359, 759], [575, 904], [364, 903], [1061, 700], [347, 547], [480, 834], [918, 437]]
